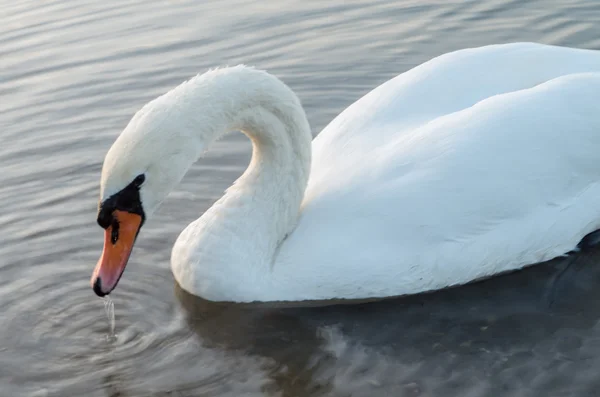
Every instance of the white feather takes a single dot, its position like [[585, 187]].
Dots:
[[475, 163]]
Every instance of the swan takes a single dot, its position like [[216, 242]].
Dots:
[[477, 162]]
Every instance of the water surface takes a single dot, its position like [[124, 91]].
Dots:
[[71, 76]]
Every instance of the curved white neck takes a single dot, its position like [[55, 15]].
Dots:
[[262, 206], [242, 230]]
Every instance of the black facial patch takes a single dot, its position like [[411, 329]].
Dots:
[[128, 199]]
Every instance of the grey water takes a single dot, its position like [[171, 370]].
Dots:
[[71, 75]]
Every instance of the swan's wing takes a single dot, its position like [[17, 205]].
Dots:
[[444, 85], [475, 163]]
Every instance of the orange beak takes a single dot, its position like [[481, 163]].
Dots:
[[118, 244]]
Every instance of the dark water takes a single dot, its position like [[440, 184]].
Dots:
[[71, 75]]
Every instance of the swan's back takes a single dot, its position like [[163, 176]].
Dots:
[[474, 163]]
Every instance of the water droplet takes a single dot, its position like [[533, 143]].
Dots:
[[109, 308]]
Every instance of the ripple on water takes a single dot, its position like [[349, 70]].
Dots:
[[66, 350]]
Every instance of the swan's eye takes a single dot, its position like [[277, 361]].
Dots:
[[139, 180]]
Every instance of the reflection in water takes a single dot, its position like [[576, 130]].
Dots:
[[502, 336]]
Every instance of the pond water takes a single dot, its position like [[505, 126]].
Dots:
[[71, 76]]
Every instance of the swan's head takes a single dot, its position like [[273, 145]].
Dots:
[[146, 161], [165, 138]]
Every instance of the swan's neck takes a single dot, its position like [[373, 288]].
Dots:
[[239, 235], [262, 207]]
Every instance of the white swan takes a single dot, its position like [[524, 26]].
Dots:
[[475, 163]]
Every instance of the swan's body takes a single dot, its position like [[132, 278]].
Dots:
[[475, 163]]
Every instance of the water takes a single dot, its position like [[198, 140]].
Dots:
[[73, 73]]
